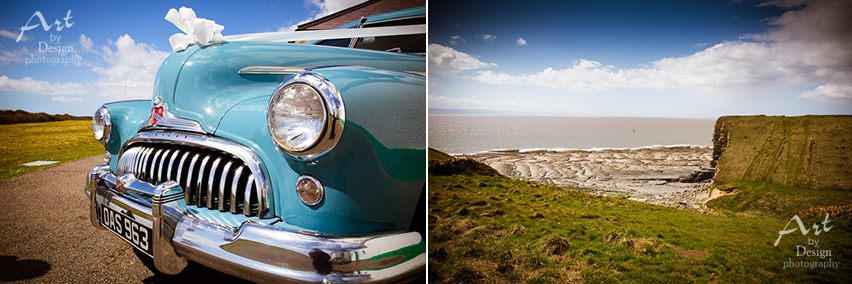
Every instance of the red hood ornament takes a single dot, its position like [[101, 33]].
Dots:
[[157, 111], [156, 114]]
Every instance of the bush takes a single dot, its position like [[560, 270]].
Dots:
[[456, 166], [818, 211]]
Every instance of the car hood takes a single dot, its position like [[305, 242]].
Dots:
[[202, 83]]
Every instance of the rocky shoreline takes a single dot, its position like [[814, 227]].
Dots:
[[674, 176]]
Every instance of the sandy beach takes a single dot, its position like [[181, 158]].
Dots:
[[649, 173]]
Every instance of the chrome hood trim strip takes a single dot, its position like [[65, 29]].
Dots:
[[270, 70]]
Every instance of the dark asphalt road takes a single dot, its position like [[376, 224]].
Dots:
[[47, 236]]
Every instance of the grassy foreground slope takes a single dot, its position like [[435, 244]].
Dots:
[[61, 141], [500, 230]]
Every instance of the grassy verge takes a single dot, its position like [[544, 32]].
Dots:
[[61, 141], [438, 155], [500, 230], [775, 201]]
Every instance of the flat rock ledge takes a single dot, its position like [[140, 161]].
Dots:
[[678, 177], [693, 199]]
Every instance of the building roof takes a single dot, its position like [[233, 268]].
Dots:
[[351, 14]]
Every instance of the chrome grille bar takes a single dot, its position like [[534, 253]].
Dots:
[[234, 189], [160, 169], [141, 161], [211, 181], [189, 192], [145, 172], [246, 207], [180, 167], [171, 163], [222, 185], [215, 178], [200, 183]]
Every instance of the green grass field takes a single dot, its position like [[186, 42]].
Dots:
[[498, 230], [61, 141], [501, 230]]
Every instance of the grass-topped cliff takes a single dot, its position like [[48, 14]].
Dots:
[[812, 152], [778, 167], [494, 229]]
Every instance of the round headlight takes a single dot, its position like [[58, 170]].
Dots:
[[310, 190], [101, 125], [297, 117], [305, 116]]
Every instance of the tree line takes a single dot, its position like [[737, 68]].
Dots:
[[21, 116]]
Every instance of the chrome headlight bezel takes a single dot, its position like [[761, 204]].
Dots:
[[332, 124], [102, 125]]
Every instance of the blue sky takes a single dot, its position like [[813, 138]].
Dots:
[[641, 58], [111, 40]]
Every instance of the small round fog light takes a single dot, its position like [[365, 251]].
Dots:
[[310, 190], [107, 157]]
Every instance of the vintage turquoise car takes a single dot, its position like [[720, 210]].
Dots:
[[273, 161]]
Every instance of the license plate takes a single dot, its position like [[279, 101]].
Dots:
[[128, 229]]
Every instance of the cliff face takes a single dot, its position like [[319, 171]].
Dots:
[[805, 151]]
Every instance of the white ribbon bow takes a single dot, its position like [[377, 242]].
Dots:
[[197, 30]]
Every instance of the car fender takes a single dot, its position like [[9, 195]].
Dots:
[[373, 177]]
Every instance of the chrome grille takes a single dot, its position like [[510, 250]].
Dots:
[[209, 178]]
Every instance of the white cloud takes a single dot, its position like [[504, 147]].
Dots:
[[63, 99], [522, 42], [817, 35], [12, 35], [444, 61], [32, 86], [456, 39], [325, 8], [487, 37], [329, 7], [830, 93], [807, 46], [18, 55], [128, 64], [131, 64], [700, 44], [444, 102], [585, 75], [289, 28], [723, 65], [85, 43]]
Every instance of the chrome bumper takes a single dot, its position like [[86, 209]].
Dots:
[[253, 251]]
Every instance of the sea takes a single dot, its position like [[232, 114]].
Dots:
[[468, 134]]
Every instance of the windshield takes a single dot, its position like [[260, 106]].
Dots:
[[403, 43]]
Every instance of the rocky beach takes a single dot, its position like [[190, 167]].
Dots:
[[676, 176]]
